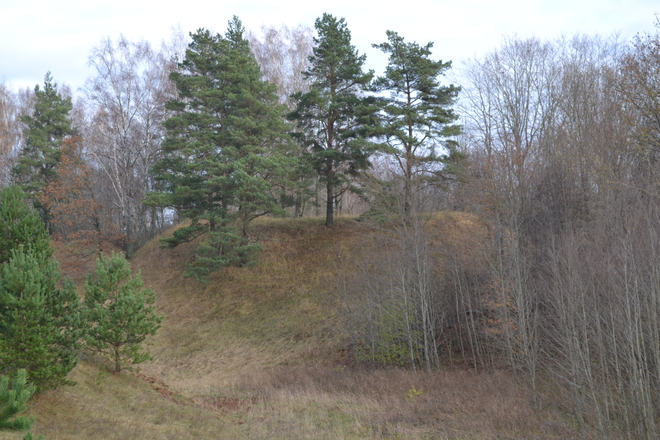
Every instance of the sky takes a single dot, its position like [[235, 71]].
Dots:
[[37, 36]]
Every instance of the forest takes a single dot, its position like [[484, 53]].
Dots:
[[548, 151]]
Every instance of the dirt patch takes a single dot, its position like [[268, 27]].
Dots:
[[221, 404]]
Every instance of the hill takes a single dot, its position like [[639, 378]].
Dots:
[[264, 352]]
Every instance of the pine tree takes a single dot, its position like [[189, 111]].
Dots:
[[40, 319], [120, 313], [40, 322], [13, 398], [20, 225], [46, 130], [334, 117], [226, 149], [417, 115]]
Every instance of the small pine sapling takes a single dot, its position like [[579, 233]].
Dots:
[[120, 313]]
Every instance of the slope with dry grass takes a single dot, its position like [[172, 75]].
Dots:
[[261, 353]]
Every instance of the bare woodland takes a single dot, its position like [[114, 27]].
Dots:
[[561, 170], [558, 182]]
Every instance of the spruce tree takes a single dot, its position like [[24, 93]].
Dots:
[[335, 117], [226, 149], [417, 116], [46, 129], [120, 313]]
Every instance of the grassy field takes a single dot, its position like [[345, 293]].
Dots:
[[261, 353]]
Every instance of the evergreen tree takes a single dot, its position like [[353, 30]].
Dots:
[[120, 313], [39, 319], [20, 225], [40, 322], [46, 129], [226, 149], [334, 117], [13, 399], [417, 115]]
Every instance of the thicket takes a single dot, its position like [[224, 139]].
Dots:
[[560, 179], [563, 143]]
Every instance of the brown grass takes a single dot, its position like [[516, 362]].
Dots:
[[260, 353], [403, 404]]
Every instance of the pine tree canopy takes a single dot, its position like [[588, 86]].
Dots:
[[417, 115], [119, 311], [14, 395], [335, 117], [20, 225], [225, 157], [40, 320], [46, 129]]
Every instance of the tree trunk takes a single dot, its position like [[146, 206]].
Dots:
[[117, 360], [329, 204]]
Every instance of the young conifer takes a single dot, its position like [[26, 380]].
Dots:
[[40, 320], [14, 395], [120, 313]]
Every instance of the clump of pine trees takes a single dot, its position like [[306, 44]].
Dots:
[[43, 323]]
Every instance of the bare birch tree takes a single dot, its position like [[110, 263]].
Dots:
[[283, 55], [128, 95], [10, 131]]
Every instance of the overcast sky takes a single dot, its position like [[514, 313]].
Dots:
[[38, 36]]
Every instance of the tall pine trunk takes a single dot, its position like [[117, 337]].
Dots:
[[329, 204]]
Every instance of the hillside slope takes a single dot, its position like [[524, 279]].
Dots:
[[261, 352]]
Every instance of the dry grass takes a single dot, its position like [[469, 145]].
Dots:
[[106, 406], [401, 404], [259, 353], [246, 318], [300, 402]]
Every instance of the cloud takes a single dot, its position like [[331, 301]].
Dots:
[[38, 36]]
